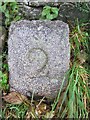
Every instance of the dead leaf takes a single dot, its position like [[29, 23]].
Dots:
[[15, 98], [49, 114], [31, 113], [41, 109], [82, 57]]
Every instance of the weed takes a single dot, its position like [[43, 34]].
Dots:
[[4, 82], [84, 7], [3, 73], [14, 111], [10, 10], [49, 13], [78, 40], [77, 93]]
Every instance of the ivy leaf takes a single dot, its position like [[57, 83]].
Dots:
[[47, 7], [49, 17], [55, 11], [49, 13], [45, 12]]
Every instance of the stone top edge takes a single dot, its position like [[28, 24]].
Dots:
[[31, 21], [27, 22], [34, 21], [39, 1]]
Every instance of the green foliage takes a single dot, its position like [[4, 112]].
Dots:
[[83, 6], [4, 81], [49, 13], [79, 41], [77, 93], [10, 10], [5, 66], [4, 74], [14, 111]]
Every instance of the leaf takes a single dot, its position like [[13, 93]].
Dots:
[[49, 13], [7, 21], [47, 7], [4, 6], [0, 74], [7, 14], [15, 98], [45, 12], [1, 9], [17, 18], [41, 109], [49, 115], [13, 5], [55, 10], [49, 16]]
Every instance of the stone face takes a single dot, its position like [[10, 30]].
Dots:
[[38, 56], [68, 11], [2, 37]]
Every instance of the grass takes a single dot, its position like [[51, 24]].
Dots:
[[77, 93], [14, 111], [83, 6]]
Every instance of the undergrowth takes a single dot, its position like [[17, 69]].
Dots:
[[77, 94], [14, 111], [83, 6], [10, 10]]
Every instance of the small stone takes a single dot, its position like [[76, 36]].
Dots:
[[2, 37], [38, 56]]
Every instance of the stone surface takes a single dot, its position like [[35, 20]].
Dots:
[[54, 1], [0, 18], [38, 56], [2, 37], [68, 11], [30, 12], [43, 3]]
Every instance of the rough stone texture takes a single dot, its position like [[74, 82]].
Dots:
[[30, 13], [43, 3], [49, 1], [2, 38], [3, 33], [0, 18], [68, 11], [38, 56]]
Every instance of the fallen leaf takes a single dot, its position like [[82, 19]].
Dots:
[[41, 109], [15, 98], [31, 113], [49, 114]]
